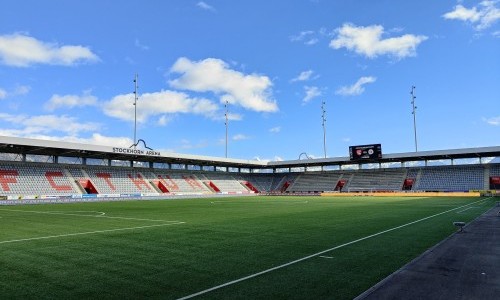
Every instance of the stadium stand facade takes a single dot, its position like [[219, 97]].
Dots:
[[23, 178]]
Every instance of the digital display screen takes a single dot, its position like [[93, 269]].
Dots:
[[373, 151]]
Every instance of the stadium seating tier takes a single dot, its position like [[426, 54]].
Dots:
[[17, 178]]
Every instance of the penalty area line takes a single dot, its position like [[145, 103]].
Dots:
[[323, 252], [86, 233]]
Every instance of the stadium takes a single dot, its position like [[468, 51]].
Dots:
[[66, 170], [250, 149], [135, 222]]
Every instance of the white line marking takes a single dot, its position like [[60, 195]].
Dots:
[[88, 232], [321, 253], [100, 215], [461, 211], [323, 256], [79, 212]]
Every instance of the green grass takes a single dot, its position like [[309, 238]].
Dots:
[[43, 254]]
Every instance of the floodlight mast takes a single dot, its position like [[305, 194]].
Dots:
[[414, 113], [135, 109], [226, 122], [323, 118]]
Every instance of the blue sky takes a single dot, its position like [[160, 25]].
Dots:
[[67, 71]]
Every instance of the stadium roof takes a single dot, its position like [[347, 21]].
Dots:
[[397, 157], [55, 148]]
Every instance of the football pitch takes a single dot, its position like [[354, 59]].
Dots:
[[219, 248]]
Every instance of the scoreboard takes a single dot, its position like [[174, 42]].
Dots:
[[373, 151]]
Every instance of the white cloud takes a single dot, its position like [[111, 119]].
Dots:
[[311, 42], [303, 76], [19, 90], [252, 92], [482, 16], [159, 103], [57, 128], [275, 129], [303, 35], [22, 51], [311, 93], [233, 117], [205, 6], [70, 101], [24, 125], [357, 88], [98, 139], [307, 37], [141, 46], [463, 14], [276, 158], [495, 121], [163, 120], [368, 41], [221, 116], [240, 137]]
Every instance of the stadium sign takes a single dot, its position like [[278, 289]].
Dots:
[[136, 151]]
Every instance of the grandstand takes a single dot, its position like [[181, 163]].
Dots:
[[32, 169]]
